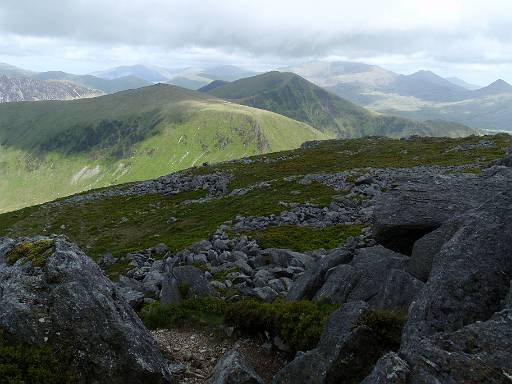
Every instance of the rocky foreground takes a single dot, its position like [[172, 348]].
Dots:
[[433, 245]]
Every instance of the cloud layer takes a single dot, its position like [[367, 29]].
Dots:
[[471, 34]]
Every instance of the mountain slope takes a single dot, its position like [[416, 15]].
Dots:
[[14, 89], [463, 83], [291, 95], [89, 81], [52, 149], [12, 71], [150, 74]]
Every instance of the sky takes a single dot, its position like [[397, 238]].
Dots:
[[471, 39]]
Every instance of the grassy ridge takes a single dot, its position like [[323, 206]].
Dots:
[[54, 149], [293, 96]]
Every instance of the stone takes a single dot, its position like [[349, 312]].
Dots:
[[6, 244], [194, 279], [71, 306], [234, 369], [390, 369], [470, 275], [170, 293], [265, 294], [262, 277], [417, 205], [399, 291], [134, 298], [363, 278], [306, 286]]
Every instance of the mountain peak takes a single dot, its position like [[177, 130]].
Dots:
[[500, 84]]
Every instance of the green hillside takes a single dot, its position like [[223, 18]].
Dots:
[[53, 149], [291, 95]]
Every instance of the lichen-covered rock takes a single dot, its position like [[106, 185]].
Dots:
[[390, 369], [66, 302], [234, 369]]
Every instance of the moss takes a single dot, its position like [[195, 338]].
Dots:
[[184, 289], [117, 269], [387, 326], [305, 238], [36, 252], [23, 364], [202, 267]]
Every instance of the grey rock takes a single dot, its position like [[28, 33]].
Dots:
[[106, 261], [419, 205], [399, 291], [470, 275], [6, 244], [390, 369], [306, 286], [170, 293], [262, 277], [194, 279], [244, 267], [234, 369], [70, 305], [152, 282], [134, 298], [363, 278], [266, 294]]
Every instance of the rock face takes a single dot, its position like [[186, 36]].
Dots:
[[460, 323], [233, 369], [68, 303], [27, 89], [419, 205]]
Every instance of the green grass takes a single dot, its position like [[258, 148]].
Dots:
[[387, 326], [299, 324], [305, 238], [97, 226], [293, 96], [23, 364], [55, 149]]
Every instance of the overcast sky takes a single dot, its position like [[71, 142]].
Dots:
[[468, 38]]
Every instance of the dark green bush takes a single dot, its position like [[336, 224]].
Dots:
[[299, 324], [387, 326], [22, 364]]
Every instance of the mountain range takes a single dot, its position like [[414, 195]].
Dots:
[[422, 95], [291, 95]]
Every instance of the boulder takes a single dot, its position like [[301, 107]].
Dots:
[[363, 279], [134, 298], [6, 245], [306, 286], [285, 258], [234, 369], [62, 299], [192, 280]]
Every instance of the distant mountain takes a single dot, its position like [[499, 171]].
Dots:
[[422, 95], [425, 85], [89, 81], [463, 84], [150, 74], [291, 95], [53, 149], [214, 84], [14, 89], [227, 73], [12, 71], [498, 87]]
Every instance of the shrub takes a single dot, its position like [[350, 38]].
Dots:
[[36, 252], [387, 326], [23, 364], [299, 324]]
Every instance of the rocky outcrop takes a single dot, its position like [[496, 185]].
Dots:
[[234, 369], [363, 279], [61, 298], [14, 89]]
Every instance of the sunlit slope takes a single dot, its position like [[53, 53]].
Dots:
[[53, 149]]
